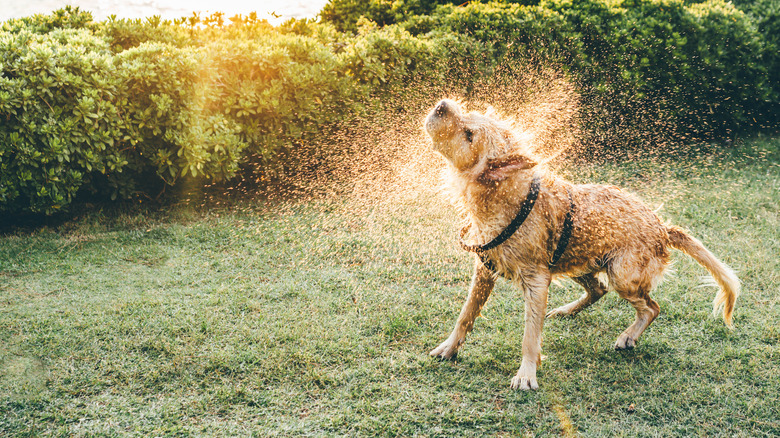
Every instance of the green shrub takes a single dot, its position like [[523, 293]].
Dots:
[[766, 15], [282, 90], [114, 106], [79, 117], [345, 14], [696, 65], [126, 34], [732, 82], [65, 18], [174, 129], [60, 118], [388, 57]]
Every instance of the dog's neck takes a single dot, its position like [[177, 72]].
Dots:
[[487, 205]]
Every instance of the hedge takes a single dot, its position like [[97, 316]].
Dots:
[[122, 107], [709, 66], [106, 108], [61, 120]]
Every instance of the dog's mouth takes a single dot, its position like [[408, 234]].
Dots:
[[442, 122], [442, 109], [451, 137]]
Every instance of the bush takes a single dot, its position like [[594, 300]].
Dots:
[[389, 57], [170, 118], [126, 34], [60, 118], [698, 65], [345, 14], [766, 15], [124, 105], [76, 117], [283, 91], [65, 18], [79, 117]]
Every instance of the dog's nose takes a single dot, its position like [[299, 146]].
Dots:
[[441, 109]]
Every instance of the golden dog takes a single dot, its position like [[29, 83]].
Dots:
[[571, 230]]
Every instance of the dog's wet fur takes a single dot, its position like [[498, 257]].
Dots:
[[614, 235]]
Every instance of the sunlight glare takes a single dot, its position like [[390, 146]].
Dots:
[[275, 11]]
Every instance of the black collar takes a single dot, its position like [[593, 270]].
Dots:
[[522, 215], [525, 210]]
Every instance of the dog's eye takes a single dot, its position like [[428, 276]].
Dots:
[[469, 134]]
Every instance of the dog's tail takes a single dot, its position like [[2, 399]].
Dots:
[[723, 275]]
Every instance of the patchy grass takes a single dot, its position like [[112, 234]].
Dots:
[[316, 319]]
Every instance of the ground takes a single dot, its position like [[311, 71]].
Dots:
[[315, 318]]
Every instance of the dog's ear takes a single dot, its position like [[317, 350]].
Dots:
[[499, 169]]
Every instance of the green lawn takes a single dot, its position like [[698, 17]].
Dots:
[[316, 318]]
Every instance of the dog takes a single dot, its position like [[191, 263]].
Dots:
[[530, 226]]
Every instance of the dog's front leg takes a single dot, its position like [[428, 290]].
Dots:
[[535, 287], [481, 286]]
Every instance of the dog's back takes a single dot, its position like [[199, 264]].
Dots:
[[608, 224]]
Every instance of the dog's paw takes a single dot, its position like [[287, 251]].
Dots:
[[524, 383], [625, 342], [525, 379], [446, 350], [560, 312]]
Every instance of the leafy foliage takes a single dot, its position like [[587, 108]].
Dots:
[[699, 64], [65, 18], [766, 16], [111, 107], [282, 91], [60, 117], [169, 120], [346, 14]]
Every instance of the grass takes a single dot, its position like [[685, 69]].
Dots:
[[316, 319]]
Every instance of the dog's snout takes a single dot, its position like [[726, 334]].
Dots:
[[443, 121], [441, 109]]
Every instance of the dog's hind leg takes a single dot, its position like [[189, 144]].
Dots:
[[594, 290], [646, 311], [481, 286], [633, 283]]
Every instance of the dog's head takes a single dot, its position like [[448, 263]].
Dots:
[[475, 143]]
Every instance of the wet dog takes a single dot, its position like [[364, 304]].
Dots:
[[529, 226]]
